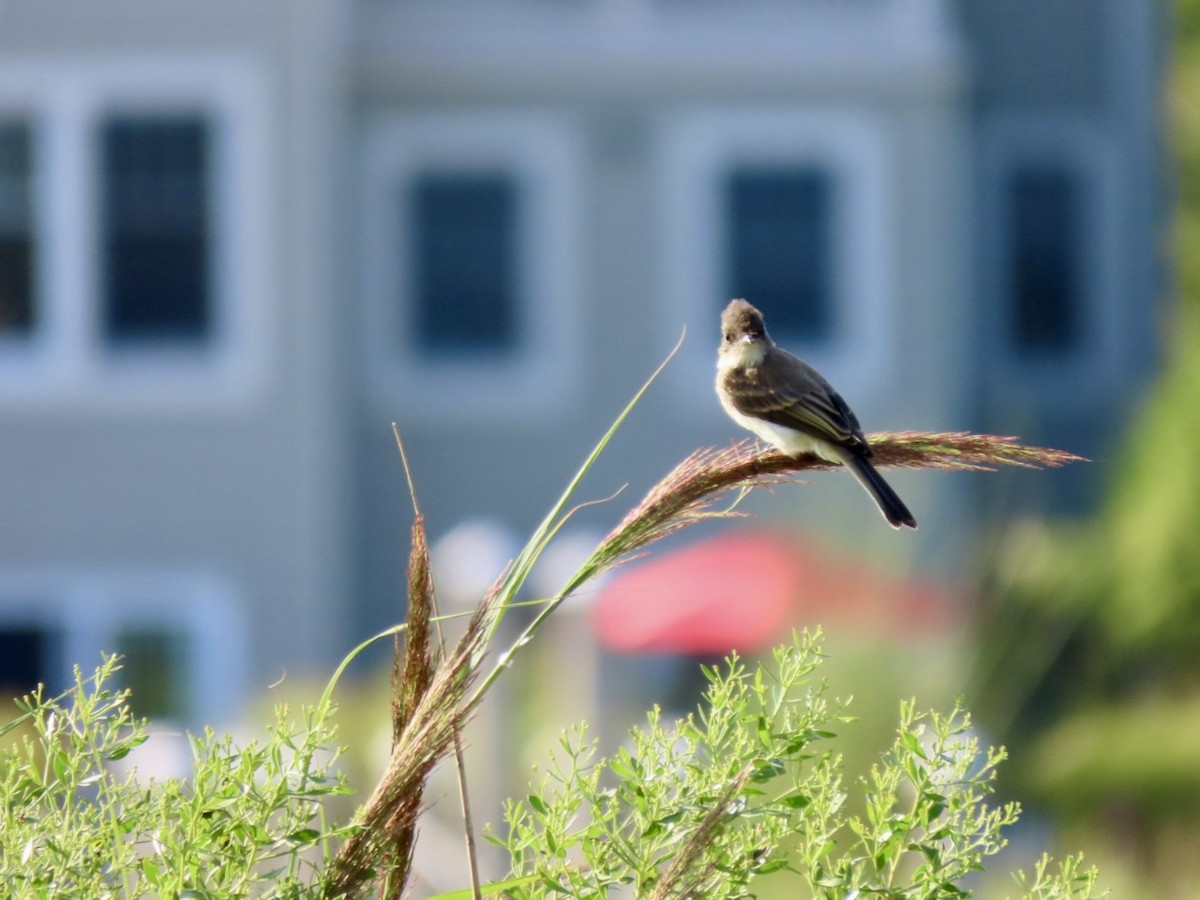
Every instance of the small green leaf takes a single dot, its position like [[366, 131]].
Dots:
[[150, 871], [796, 801], [937, 805], [913, 743], [770, 866], [767, 769], [931, 853], [622, 765], [764, 732], [124, 749]]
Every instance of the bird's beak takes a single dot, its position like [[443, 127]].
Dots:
[[747, 338]]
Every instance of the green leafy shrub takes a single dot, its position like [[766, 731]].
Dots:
[[249, 821], [749, 786]]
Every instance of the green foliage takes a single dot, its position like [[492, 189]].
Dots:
[[755, 773], [1155, 598], [1067, 879], [748, 786], [249, 820], [1146, 543], [1090, 667], [1090, 622], [1092, 627]]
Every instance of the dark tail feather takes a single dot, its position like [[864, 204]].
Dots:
[[881, 492]]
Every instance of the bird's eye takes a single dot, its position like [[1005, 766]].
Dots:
[[728, 337]]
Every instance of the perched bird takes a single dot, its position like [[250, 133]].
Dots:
[[787, 403]]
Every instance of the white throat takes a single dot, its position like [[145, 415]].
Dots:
[[743, 354]]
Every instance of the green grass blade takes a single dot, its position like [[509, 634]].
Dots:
[[554, 520]]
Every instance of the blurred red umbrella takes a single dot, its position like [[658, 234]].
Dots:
[[746, 590]]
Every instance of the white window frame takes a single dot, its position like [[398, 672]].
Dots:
[[90, 609], [696, 151], [66, 361], [1088, 371], [541, 375]]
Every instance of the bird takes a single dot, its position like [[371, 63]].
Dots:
[[787, 403]]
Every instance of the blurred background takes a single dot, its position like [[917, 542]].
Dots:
[[239, 239]]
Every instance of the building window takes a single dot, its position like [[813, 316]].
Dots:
[[17, 307], [471, 259], [1054, 264], [1044, 231], [779, 246], [155, 665], [155, 242], [29, 656], [789, 208], [181, 637], [135, 236], [463, 256]]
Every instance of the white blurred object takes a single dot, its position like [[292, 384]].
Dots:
[[468, 558], [167, 754]]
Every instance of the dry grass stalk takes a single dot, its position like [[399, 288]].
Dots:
[[440, 715], [412, 674], [685, 495], [412, 668]]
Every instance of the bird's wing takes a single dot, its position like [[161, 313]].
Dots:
[[789, 392]]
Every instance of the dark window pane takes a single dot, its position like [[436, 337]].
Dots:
[[780, 247], [16, 229], [463, 249], [154, 667], [155, 243], [28, 657], [1044, 246]]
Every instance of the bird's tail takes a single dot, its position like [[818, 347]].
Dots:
[[881, 492]]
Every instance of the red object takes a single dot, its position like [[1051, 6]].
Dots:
[[747, 590]]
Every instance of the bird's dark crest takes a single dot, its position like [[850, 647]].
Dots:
[[741, 317]]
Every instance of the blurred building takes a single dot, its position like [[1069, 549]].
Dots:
[[239, 239]]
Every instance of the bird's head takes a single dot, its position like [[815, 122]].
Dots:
[[741, 323], [744, 338]]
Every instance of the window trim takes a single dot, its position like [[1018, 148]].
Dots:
[[66, 361], [1086, 372], [696, 150], [91, 608], [542, 374]]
